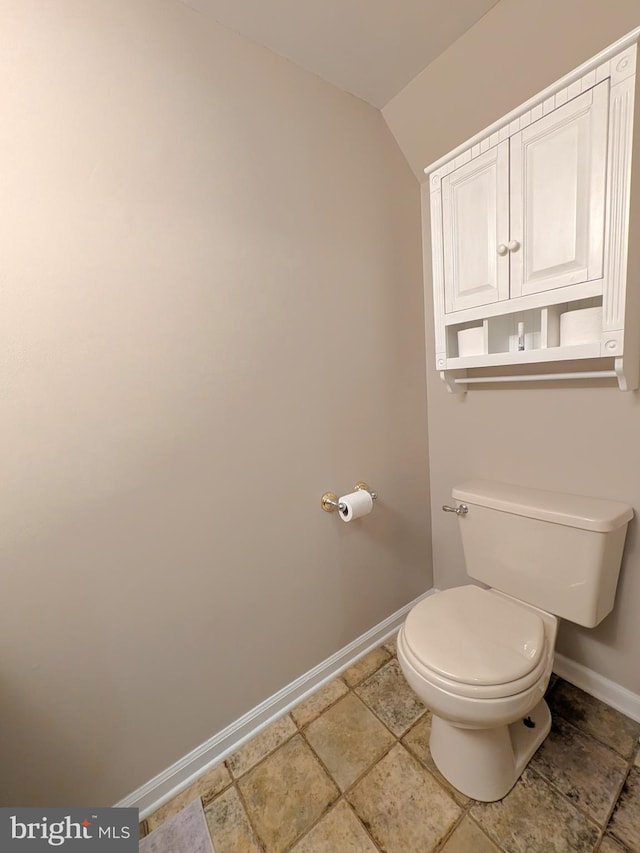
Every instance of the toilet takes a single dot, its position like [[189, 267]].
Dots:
[[481, 658]]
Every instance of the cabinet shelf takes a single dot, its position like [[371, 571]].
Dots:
[[531, 356]]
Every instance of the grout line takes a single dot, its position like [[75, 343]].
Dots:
[[484, 831], [367, 832], [594, 699], [206, 822], [222, 790], [266, 755], [360, 776], [170, 813], [243, 803], [590, 737], [303, 726], [577, 806], [300, 730], [464, 806], [343, 794], [618, 795], [581, 811], [330, 808], [377, 715], [369, 674], [236, 779], [452, 829]]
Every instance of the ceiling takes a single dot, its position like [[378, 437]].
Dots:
[[371, 48]]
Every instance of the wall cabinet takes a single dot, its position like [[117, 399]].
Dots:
[[529, 220]]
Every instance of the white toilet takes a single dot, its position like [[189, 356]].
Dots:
[[481, 658]]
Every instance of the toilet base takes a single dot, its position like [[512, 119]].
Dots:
[[486, 763]]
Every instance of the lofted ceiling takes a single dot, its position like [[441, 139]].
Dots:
[[371, 48]]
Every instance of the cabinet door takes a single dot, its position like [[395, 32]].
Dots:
[[475, 218], [558, 168]]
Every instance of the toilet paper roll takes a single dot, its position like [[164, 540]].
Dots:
[[356, 504], [471, 341], [580, 327]]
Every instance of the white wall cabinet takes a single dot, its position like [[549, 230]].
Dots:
[[558, 170], [530, 219], [475, 219]]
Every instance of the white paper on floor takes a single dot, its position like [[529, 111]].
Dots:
[[185, 832]]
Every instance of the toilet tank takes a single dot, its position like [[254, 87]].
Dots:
[[559, 552]]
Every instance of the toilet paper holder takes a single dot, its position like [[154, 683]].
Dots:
[[330, 502]]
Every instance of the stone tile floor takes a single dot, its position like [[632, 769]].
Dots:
[[349, 771]]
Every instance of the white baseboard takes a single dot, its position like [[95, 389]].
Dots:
[[184, 772], [597, 685]]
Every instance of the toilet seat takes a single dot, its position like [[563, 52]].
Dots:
[[476, 643]]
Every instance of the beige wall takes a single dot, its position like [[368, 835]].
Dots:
[[211, 314], [575, 439]]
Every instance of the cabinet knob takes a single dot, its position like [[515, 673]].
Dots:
[[502, 249], [514, 246]]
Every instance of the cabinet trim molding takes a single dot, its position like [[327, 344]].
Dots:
[[584, 77], [619, 188]]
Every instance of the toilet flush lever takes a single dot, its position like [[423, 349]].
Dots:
[[463, 509]]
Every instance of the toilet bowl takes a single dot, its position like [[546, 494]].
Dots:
[[480, 658], [495, 663], [484, 686]]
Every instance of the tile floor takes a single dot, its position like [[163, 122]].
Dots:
[[349, 771]]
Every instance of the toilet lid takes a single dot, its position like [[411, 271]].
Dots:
[[474, 636]]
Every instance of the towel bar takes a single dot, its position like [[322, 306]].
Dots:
[[539, 377]]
